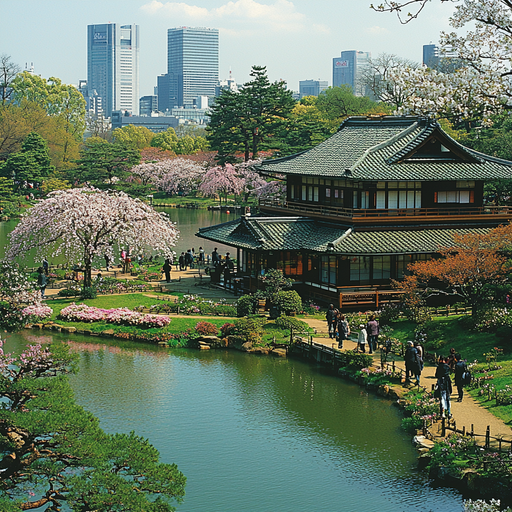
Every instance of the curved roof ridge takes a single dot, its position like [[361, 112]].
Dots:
[[428, 130], [385, 143]]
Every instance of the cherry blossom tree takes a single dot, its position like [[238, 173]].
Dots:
[[86, 223], [171, 175], [482, 86], [20, 302], [222, 180], [272, 190], [180, 175]]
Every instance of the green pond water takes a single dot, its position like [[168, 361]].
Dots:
[[254, 433]]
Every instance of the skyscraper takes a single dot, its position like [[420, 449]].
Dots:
[[113, 65], [346, 70], [311, 87], [192, 64]]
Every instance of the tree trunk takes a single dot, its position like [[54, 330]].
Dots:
[[87, 273]]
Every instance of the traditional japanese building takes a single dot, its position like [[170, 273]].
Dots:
[[381, 193]]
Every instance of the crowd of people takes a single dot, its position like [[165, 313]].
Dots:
[[339, 329]]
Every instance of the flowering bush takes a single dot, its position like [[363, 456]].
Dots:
[[35, 312], [206, 328], [120, 316]]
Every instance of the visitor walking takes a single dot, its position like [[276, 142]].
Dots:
[[420, 351], [362, 338], [228, 270], [189, 259], [201, 255], [182, 262], [444, 387], [412, 363], [215, 257], [42, 281], [460, 370], [107, 262], [46, 266], [167, 270], [372, 328], [343, 330], [331, 317]]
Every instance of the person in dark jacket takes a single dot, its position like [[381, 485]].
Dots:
[[331, 317], [167, 270], [372, 328], [460, 369], [342, 328], [444, 385], [42, 281], [182, 262], [412, 363], [215, 257]]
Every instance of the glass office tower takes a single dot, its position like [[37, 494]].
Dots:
[[113, 66], [192, 64], [346, 70]]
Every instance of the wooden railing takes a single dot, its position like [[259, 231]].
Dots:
[[356, 213]]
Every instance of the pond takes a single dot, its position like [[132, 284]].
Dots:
[[188, 221], [254, 432]]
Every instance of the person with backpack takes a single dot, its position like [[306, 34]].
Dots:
[[412, 363], [342, 328], [462, 376]]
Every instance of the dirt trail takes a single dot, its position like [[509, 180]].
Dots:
[[465, 413]]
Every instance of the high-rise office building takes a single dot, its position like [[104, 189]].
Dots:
[[192, 64], [113, 65], [346, 70], [311, 87]]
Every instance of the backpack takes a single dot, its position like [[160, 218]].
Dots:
[[466, 377]]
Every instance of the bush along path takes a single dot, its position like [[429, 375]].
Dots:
[[479, 463]]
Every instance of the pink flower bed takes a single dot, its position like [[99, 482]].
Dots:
[[119, 316], [39, 312]]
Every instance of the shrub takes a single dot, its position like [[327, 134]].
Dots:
[[88, 292], [246, 305], [67, 292], [355, 360], [288, 301], [389, 313], [225, 310], [227, 329], [250, 329], [206, 328], [286, 323]]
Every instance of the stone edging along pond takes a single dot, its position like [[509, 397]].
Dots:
[[468, 481]]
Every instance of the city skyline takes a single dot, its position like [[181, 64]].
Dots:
[[295, 40]]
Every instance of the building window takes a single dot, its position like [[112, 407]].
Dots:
[[455, 197], [360, 269], [328, 270], [290, 263], [381, 267]]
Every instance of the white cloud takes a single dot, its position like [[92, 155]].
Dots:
[[375, 30], [280, 15]]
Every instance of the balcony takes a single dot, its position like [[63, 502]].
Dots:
[[467, 214]]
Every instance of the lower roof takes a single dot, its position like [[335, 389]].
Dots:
[[303, 233]]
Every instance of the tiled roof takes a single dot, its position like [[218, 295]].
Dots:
[[371, 149], [301, 233]]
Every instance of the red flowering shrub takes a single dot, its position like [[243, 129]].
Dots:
[[206, 328], [227, 329]]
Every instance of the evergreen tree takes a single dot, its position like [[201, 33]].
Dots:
[[252, 120]]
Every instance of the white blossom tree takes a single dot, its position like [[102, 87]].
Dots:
[[482, 86], [170, 175], [86, 223]]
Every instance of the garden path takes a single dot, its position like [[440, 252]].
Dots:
[[466, 413]]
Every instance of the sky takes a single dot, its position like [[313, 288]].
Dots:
[[295, 39]]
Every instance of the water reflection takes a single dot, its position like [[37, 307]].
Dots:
[[256, 433]]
